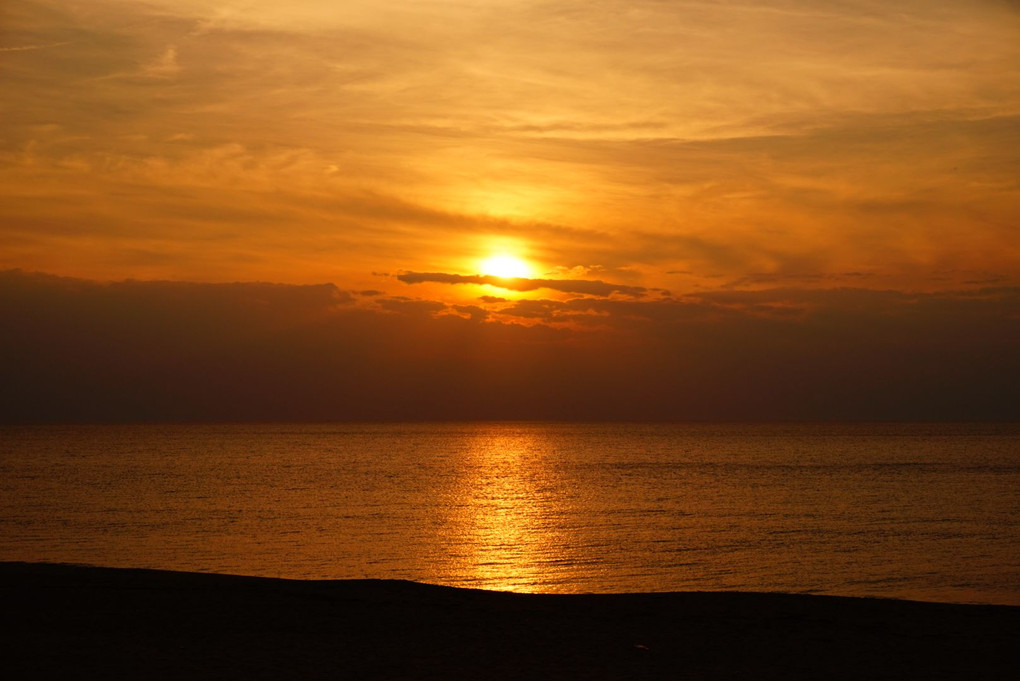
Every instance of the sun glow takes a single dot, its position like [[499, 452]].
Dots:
[[505, 266]]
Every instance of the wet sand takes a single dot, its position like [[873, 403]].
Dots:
[[83, 622]]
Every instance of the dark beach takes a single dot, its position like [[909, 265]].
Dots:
[[86, 622]]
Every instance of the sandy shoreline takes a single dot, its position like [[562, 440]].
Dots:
[[82, 622]]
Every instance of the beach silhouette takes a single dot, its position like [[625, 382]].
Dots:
[[81, 622]]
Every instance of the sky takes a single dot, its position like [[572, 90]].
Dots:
[[724, 210]]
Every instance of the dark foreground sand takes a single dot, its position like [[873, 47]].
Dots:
[[80, 622]]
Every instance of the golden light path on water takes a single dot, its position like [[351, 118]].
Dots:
[[494, 515]]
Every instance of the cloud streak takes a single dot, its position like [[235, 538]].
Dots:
[[591, 287], [24, 48]]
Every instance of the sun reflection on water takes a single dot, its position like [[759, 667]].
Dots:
[[498, 515]]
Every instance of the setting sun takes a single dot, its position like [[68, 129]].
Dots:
[[506, 266]]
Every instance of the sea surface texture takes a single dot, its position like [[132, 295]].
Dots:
[[929, 512]]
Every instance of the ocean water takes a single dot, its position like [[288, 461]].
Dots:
[[928, 512]]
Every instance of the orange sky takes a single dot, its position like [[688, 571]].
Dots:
[[640, 155]]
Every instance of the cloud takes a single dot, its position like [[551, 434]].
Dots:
[[421, 308], [752, 157], [164, 66], [188, 139], [23, 48], [472, 311], [78, 350], [583, 286]]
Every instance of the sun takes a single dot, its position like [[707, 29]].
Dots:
[[506, 267]]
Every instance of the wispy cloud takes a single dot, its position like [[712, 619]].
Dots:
[[164, 66], [25, 48]]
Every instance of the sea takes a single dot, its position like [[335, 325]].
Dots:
[[917, 511]]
